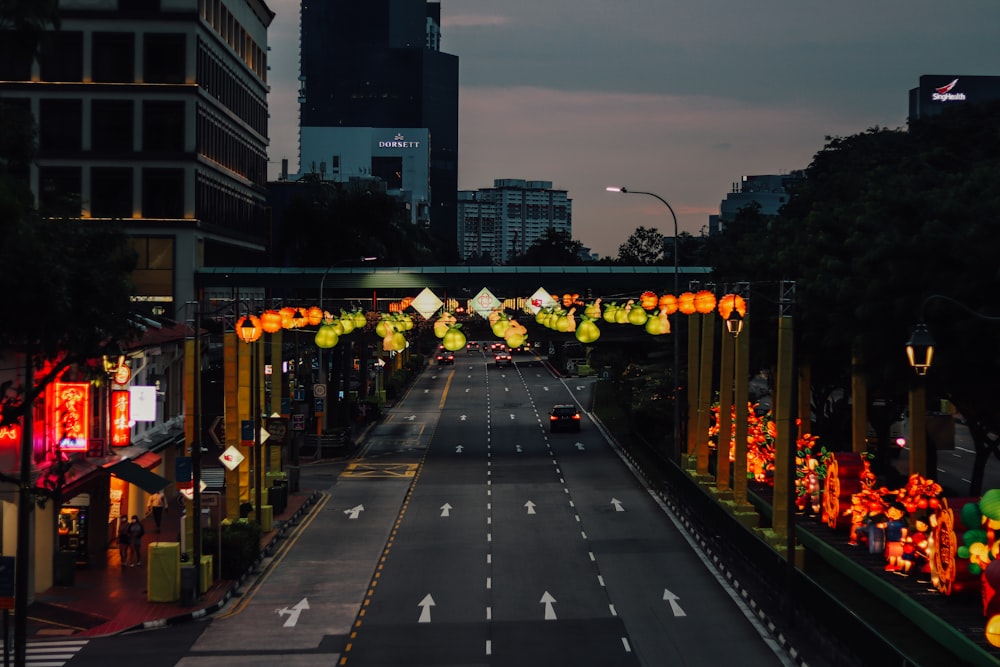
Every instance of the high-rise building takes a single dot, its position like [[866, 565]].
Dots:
[[153, 112], [769, 192], [376, 66], [503, 221], [937, 92]]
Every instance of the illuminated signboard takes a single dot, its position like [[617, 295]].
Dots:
[[10, 434], [70, 415], [121, 414], [399, 141]]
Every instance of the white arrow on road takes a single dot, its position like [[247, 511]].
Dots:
[[531, 507], [518, 448], [547, 600], [462, 418], [672, 599], [458, 449], [579, 446], [354, 511], [446, 510], [617, 504], [579, 387], [410, 418], [467, 390], [545, 388], [512, 416], [293, 613], [427, 391], [425, 609]]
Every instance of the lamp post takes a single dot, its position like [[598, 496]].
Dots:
[[321, 424], [249, 331], [673, 325]]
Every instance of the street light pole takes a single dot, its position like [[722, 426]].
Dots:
[[673, 325]]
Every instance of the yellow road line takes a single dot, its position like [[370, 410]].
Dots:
[[447, 385]]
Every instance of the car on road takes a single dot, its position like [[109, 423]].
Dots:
[[445, 357], [503, 359], [498, 347], [472, 346], [564, 418]]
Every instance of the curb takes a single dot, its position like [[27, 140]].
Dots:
[[234, 585]]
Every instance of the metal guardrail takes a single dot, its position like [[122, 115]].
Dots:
[[325, 446]]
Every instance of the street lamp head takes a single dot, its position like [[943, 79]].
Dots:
[[734, 323], [614, 189], [920, 349]]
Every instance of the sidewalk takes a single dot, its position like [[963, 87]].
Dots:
[[106, 598]]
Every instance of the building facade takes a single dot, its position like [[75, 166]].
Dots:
[[369, 67], [768, 191], [937, 92], [501, 223], [153, 113]]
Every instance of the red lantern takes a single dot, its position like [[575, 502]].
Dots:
[[249, 328], [314, 316], [287, 318], [704, 302], [270, 321], [685, 303]]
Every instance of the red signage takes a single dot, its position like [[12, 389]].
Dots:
[[10, 435], [121, 414], [70, 415]]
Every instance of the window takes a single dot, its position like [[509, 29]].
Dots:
[[15, 56], [164, 58], [163, 193], [111, 126], [113, 57], [154, 271], [59, 191], [163, 126], [62, 56], [111, 192], [60, 126]]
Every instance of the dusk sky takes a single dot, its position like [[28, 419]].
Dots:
[[681, 98]]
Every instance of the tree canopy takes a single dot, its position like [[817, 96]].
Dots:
[[643, 248], [882, 220], [555, 247]]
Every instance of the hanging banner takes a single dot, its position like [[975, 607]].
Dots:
[[70, 415], [121, 415]]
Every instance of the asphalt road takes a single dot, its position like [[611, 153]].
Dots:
[[467, 534]]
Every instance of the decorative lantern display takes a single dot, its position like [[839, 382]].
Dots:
[[314, 316], [287, 318], [704, 302], [327, 336], [270, 321], [685, 303], [249, 328]]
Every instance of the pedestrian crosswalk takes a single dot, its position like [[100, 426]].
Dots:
[[48, 653]]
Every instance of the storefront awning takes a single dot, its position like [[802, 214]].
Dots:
[[133, 473]]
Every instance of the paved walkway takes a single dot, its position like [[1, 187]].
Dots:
[[107, 598]]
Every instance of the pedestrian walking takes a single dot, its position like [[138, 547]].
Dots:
[[156, 505], [123, 547], [135, 533]]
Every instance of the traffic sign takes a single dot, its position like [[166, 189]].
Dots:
[[319, 390]]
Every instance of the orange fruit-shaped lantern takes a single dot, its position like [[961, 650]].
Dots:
[[314, 316], [685, 303], [704, 302], [730, 302], [668, 303], [649, 300], [270, 321]]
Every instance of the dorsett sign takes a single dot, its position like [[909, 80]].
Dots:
[[399, 141]]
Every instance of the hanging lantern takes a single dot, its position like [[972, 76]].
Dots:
[[685, 303], [649, 300], [270, 321], [326, 337], [249, 329], [668, 303], [704, 302], [287, 317], [729, 302], [314, 316]]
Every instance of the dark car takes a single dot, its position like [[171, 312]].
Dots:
[[445, 357], [564, 418], [504, 359], [498, 347], [472, 346]]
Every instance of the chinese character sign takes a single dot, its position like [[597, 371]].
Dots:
[[71, 412], [120, 416]]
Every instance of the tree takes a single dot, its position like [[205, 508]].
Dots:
[[643, 248], [555, 247]]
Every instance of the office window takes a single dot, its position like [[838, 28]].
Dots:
[[111, 126], [15, 56], [163, 193], [59, 191], [163, 126], [154, 271], [62, 56], [60, 126], [113, 57], [111, 192], [164, 58]]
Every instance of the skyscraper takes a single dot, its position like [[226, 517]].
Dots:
[[377, 64]]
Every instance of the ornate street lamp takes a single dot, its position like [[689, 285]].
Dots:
[[920, 349], [673, 325]]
